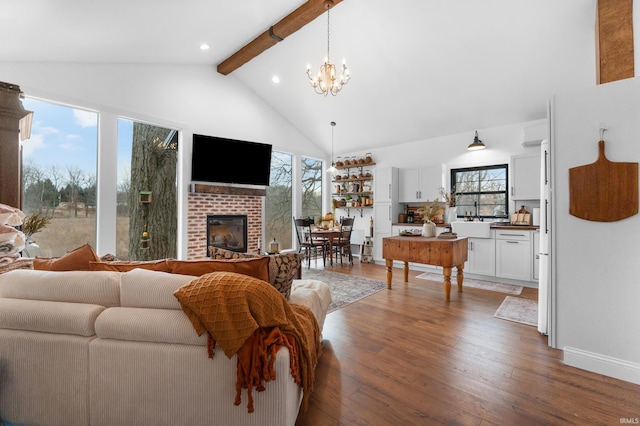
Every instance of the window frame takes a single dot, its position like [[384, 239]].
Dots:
[[454, 187]]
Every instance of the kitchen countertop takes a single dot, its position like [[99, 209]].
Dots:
[[496, 226]]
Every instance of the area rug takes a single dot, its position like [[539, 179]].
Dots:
[[472, 283], [518, 309], [345, 289]]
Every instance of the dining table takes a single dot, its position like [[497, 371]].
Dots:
[[330, 234]]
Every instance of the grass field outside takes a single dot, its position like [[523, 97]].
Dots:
[[62, 235]]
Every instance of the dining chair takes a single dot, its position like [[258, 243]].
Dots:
[[308, 242], [342, 245]]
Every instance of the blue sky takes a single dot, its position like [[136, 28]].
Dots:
[[67, 137]]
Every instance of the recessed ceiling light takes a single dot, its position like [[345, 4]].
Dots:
[[275, 79], [204, 46]]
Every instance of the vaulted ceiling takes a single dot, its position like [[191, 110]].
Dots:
[[420, 68]]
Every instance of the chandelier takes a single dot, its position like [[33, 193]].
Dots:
[[327, 81]]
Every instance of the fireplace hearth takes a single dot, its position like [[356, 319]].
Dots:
[[228, 232]]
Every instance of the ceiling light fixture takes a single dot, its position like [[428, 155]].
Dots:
[[477, 144], [327, 80], [332, 169]]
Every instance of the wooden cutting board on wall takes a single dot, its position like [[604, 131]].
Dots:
[[603, 191]]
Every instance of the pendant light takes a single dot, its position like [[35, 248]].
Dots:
[[477, 144], [332, 169]]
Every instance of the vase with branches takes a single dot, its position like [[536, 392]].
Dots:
[[32, 224], [449, 199]]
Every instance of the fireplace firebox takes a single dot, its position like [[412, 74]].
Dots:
[[228, 232]]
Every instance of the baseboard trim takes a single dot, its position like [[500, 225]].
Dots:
[[602, 364]]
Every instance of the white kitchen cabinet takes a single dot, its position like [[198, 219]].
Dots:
[[420, 184], [525, 177], [481, 258], [386, 185], [384, 214], [513, 254], [385, 207]]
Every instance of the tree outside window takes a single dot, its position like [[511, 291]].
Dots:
[[311, 188], [278, 203]]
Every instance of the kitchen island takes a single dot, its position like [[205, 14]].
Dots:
[[445, 252]]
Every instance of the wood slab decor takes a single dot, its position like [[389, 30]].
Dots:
[[603, 191]]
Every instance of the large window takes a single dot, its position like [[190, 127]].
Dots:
[[311, 188], [279, 209], [59, 176], [278, 203], [481, 191]]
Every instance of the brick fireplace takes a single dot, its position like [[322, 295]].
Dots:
[[207, 200]]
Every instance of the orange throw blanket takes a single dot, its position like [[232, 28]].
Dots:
[[249, 318]]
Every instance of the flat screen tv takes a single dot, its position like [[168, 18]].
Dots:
[[223, 160]]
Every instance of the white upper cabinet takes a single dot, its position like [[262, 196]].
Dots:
[[525, 177], [386, 185], [420, 184]]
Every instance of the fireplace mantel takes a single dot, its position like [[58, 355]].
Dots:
[[228, 190]]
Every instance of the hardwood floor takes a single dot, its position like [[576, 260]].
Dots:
[[406, 357]]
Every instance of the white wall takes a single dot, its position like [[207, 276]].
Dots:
[[193, 99], [596, 277]]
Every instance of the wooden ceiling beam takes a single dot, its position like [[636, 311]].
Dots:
[[288, 25]]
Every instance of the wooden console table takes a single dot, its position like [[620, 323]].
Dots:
[[447, 253]]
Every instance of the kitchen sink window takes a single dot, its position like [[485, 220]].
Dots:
[[481, 191]]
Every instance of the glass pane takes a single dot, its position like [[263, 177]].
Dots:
[[311, 188], [482, 191], [59, 176], [494, 180], [147, 221], [278, 203], [467, 181]]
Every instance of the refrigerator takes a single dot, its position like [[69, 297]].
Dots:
[[544, 264]]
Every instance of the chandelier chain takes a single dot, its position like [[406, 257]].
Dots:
[[328, 30]]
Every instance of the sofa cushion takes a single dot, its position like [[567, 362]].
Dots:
[[98, 288], [256, 267], [283, 267], [148, 325], [142, 288], [49, 317], [124, 266], [75, 260]]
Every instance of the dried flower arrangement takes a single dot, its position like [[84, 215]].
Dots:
[[431, 209], [34, 223], [448, 197]]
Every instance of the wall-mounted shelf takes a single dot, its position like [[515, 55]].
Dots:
[[352, 186]]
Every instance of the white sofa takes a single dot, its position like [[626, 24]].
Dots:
[[115, 348]]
